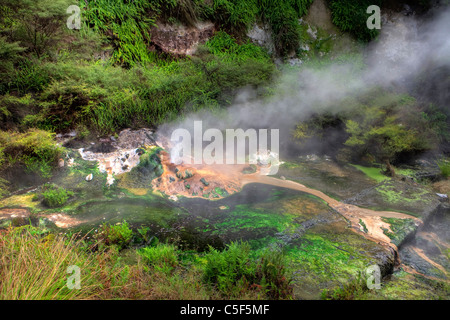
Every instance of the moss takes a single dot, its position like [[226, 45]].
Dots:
[[372, 172], [392, 195]]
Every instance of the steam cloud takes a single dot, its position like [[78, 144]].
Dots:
[[407, 46]]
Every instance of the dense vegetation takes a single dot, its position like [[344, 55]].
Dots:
[[34, 264], [103, 78]]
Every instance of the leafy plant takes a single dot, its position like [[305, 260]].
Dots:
[[283, 17], [127, 25], [161, 258], [54, 196]]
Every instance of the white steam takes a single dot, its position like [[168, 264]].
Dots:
[[405, 47]]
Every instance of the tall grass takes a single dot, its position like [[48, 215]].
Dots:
[[351, 16], [35, 268]]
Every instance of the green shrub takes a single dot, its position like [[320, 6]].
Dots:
[[353, 290], [444, 166], [35, 149], [235, 16], [54, 196], [37, 24], [351, 16], [282, 17], [272, 275], [186, 12], [161, 258], [28, 76], [119, 235], [127, 25], [234, 270], [225, 46]]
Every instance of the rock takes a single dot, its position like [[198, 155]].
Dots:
[[283, 178], [442, 196], [61, 162], [179, 39], [89, 177], [173, 198]]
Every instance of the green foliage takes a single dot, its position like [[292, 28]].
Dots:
[[35, 149], [234, 269], [37, 24], [400, 228], [119, 235], [372, 172], [3, 184], [225, 269], [272, 274], [351, 16], [54, 196], [105, 99], [144, 233], [315, 126], [444, 166], [225, 46], [161, 258], [363, 225], [34, 266], [187, 12], [386, 126], [235, 16], [150, 163], [8, 55], [127, 24], [282, 16], [437, 122], [356, 289]]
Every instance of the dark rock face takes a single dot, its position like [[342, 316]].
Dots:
[[181, 40]]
